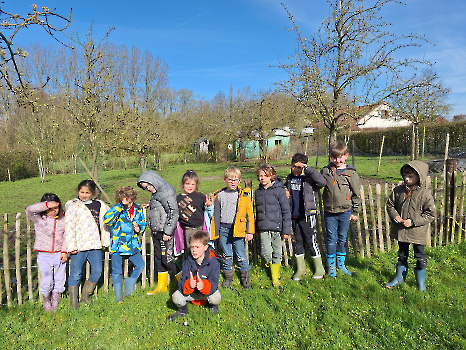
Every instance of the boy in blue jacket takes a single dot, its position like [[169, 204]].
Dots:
[[199, 277]]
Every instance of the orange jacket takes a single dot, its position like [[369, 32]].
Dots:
[[244, 219]]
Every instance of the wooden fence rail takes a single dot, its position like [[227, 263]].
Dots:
[[367, 237]]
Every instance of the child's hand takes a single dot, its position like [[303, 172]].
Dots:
[[208, 200], [398, 219], [200, 283], [300, 165], [353, 217], [63, 257], [249, 236], [74, 252], [285, 236], [136, 227], [145, 205], [192, 281], [165, 237], [287, 193], [52, 204], [408, 223]]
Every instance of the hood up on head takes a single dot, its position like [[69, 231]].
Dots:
[[421, 168]]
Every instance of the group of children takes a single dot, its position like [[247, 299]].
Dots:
[[226, 216]]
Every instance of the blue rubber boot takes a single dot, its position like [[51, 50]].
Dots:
[[332, 271], [420, 279], [399, 278], [341, 263], [130, 283], [117, 289]]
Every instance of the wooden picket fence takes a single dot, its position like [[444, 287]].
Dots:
[[369, 236]]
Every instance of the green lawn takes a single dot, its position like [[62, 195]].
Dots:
[[19, 194], [354, 312]]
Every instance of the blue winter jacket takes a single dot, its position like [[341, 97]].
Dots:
[[124, 240], [272, 208]]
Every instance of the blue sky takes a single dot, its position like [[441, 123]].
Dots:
[[210, 45]]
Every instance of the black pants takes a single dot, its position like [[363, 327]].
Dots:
[[419, 255], [164, 259], [304, 229]]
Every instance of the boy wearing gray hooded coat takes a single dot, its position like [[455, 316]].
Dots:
[[162, 218], [411, 208]]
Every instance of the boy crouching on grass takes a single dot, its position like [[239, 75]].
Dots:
[[199, 277]]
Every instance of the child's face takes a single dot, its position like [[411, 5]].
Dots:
[[232, 182], [127, 202], [85, 193], [297, 169], [52, 211], [411, 179], [189, 186], [264, 179], [340, 161], [148, 187], [198, 249]]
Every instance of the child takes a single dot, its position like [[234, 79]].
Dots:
[[411, 208], [302, 184], [341, 205], [49, 224], [162, 217], [192, 205], [85, 235], [232, 223], [199, 278], [273, 218], [127, 219]]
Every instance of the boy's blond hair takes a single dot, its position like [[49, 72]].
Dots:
[[338, 149], [200, 236], [232, 171]]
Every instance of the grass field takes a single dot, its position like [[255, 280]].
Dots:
[[18, 195], [354, 312]]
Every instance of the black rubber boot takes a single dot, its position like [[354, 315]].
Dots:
[[181, 312]]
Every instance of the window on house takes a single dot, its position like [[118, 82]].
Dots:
[[278, 142]]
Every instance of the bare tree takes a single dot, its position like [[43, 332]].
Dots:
[[10, 74], [351, 60], [422, 104]]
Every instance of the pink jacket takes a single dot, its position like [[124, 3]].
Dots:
[[50, 232]]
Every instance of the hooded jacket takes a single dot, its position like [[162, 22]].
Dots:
[[272, 208], [164, 197], [208, 270], [342, 191], [50, 231], [81, 231], [244, 219], [124, 240], [313, 181], [416, 204]]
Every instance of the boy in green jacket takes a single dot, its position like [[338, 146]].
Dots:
[[411, 208], [341, 205]]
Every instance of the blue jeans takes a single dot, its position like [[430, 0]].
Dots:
[[228, 244], [337, 230], [77, 262], [117, 264]]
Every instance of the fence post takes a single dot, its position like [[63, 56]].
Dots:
[[29, 259], [387, 221], [366, 225], [6, 260], [17, 258], [461, 213], [450, 167], [374, 226]]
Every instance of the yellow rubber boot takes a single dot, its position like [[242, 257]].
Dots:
[[162, 283], [275, 272]]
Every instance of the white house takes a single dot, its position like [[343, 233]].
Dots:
[[381, 116]]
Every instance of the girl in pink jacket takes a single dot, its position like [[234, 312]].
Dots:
[[49, 224]]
